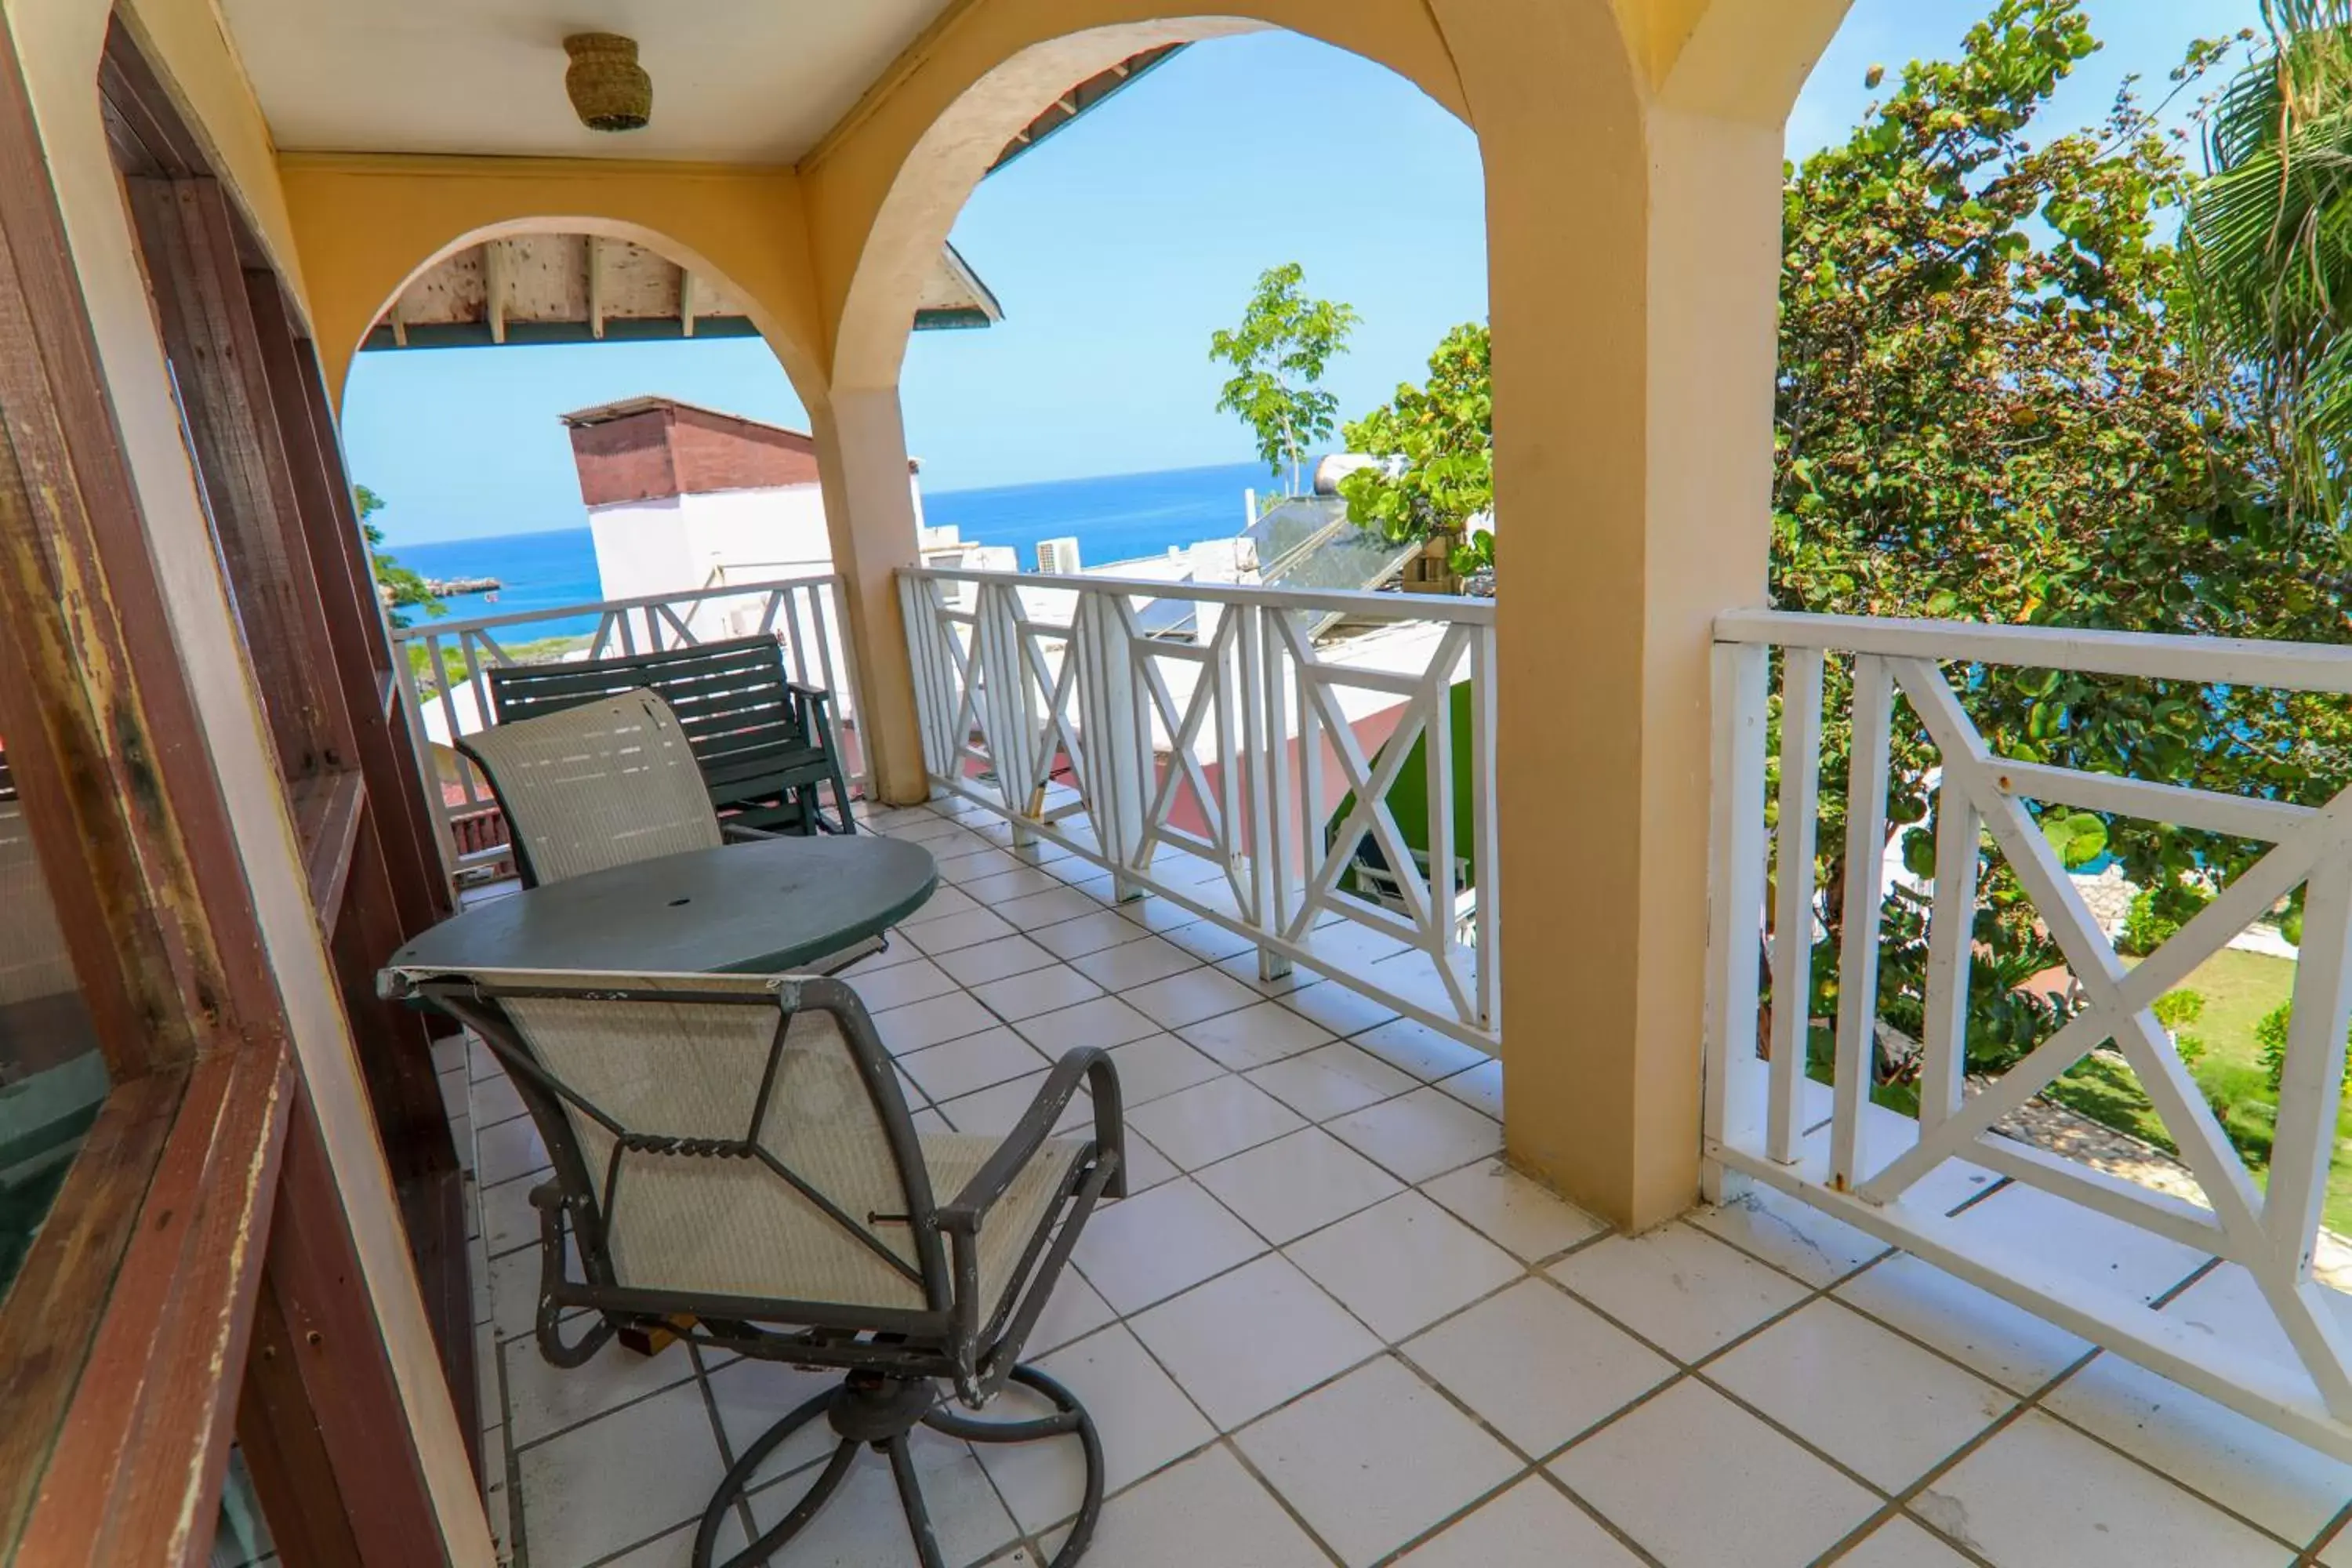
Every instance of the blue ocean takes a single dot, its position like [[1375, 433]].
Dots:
[[1120, 517]]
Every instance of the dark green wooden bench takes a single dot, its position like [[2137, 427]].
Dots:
[[763, 741]]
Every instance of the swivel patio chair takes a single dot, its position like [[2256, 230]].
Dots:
[[733, 1157], [605, 784]]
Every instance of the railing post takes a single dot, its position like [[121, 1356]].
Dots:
[[1487, 841], [1285, 846], [1866, 870], [1117, 753], [1952, 940], [404, 669], [2310, 1084], [840, 667], [1735, 897], [1004, 704], [1263, 739], [1792, 920], [934, 715]]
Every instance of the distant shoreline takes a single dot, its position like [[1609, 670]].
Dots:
[[1234, 476]]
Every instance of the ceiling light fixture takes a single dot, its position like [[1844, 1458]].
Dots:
[[609, 90]]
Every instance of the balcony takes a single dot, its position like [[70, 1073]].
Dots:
[[1330, 1324]]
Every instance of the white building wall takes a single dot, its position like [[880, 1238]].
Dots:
[[752, 534], [642, 548]]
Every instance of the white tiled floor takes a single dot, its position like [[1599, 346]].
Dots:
[[1329, 1327]]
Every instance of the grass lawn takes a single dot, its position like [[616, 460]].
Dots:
[[453, 659], [2240, 989]]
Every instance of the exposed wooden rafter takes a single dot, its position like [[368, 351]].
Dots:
[[1081, 98], [573, 288], [595, 289], [497, 285]]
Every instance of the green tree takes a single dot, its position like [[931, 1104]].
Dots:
[[2269, 242], [1987, 412], [1441, 437], [1279, 355], [402, 589]]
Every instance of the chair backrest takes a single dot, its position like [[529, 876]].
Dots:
[[733, 699], [732, 1136], [600, 784]]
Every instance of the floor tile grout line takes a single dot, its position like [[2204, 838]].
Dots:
[[727, 1454], [1282, 1248], [2127, 1456], [1420, 1084], [1900, 1502], [1593, 1512], [629, 1404], [2329, 1533], [2021, 1403], [1388, 1349], [1266, 1484], [1939, 1352], [1196, 920]]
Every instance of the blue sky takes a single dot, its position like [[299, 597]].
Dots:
[[1117, 248]]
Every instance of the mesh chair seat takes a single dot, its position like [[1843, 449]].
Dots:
[[605, 784]]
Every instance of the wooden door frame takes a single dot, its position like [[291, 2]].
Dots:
[[200, 1219]]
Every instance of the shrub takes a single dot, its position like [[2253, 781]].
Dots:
[[2145, 930], [2192, 1048], [2175, 1008], [2270, 1043]]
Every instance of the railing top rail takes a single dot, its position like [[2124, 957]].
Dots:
[[1367, 606], [2231, 661], [602, 606]]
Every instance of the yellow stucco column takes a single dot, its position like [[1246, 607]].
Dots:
[[1634, 244], [869, 509]]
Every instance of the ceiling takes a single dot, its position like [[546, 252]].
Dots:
[[751, 82], [576, 289]]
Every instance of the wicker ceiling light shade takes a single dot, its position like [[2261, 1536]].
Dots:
[[609, 89]]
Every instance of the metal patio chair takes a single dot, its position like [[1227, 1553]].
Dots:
[[764, 741], [734, 1161], [598, 784]]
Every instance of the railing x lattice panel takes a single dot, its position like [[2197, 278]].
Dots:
[[1219, 759], [1767, 1120]]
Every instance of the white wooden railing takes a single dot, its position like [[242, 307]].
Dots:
[[1892, 1175], [1202, 765], [804, 613]]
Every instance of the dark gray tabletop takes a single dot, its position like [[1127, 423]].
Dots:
[[757, 908]]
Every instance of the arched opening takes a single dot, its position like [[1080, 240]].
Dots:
[[577, 439], [928, 185], [1312, 772]]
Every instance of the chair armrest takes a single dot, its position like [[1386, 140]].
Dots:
[[812, 710], [1090, 1064], [734, 834]]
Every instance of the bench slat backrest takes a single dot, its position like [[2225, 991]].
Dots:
[[733, 700]]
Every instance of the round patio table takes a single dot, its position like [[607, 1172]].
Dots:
[[758, 908]]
